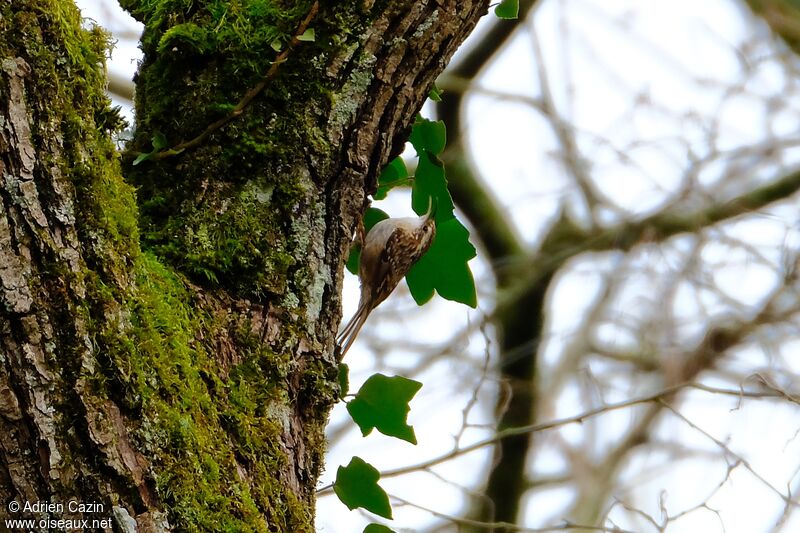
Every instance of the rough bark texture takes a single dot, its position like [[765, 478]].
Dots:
[[186, 384]]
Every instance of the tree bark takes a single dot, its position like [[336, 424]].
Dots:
[[171, 357]]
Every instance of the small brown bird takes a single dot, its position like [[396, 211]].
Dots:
[[389, 251]]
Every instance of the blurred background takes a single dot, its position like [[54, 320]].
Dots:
[[629, 173]]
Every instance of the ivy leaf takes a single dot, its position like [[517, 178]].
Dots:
[[444, 268], [428, 135], [353, 259], [394, 174], [371, 217], [507, 9], [343, 378], [430, 183], [382, 404], [377, 528], [435, 94], [308, 35], [357, 486], [159, 142], [142, 157]]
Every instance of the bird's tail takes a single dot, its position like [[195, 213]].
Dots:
[[350, 331]]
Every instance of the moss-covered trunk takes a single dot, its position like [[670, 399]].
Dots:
[[171, 358]]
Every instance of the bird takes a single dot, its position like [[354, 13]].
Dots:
[[390, 249]]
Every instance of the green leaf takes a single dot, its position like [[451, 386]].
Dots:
[[435, 94], [142, 157], [508, 9], [394, 174], [430, 182], [382, 404], [371, 217], [428, 135], [343, 378], [308, 35], [357, 486], [159, 141], [444, 268], [353, 259], [377, 528], [276, 45]]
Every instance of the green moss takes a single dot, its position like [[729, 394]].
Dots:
[[242, 235], [105, 211], [217, 212], [186, 35], [200, 428], [223, 214], [71, 76]]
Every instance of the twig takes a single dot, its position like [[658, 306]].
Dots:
[[249, 95], [741, 460], [507, 526], [510, 432]]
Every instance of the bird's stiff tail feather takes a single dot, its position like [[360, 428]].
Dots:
[[350, 331]]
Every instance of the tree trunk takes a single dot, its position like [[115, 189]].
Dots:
[[171, 358]]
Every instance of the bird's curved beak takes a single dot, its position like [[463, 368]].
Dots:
[[432, 205]]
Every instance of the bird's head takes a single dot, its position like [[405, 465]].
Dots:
[[426, 230]]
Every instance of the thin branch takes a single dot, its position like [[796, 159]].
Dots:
[[786, 499], [576, 419], [572, 158], [566, 239], [473, 400], [663, 225], [249, 96], [507, 526]]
